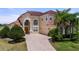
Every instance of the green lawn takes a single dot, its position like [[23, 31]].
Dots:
[[5, 46], [66, 46]]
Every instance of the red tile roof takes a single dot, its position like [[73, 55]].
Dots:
[[50, 12], [35, 13]]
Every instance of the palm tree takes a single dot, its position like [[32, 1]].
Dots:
[[73, 23], [66, 21], [61, 20]]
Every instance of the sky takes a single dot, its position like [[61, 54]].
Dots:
[[9, 15]]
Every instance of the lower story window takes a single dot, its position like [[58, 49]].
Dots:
[[35, 28]]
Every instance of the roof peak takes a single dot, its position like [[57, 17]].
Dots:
[[34, 11], [50, 12], [38, 13]]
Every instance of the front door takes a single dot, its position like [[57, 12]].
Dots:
[[26, 30], [27, 26]]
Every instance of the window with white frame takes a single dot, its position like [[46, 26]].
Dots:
[[35, 25]]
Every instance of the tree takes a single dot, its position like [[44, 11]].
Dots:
[[66, 22], [54, 34], [61, 20], [16, 33], [4, 31]]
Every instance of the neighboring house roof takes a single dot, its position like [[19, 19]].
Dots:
[[16, 22]]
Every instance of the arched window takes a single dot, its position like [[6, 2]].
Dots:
[[35, 22], [26, 22]]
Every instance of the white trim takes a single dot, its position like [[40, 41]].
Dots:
[[31, 28], [36, 25], [27, 18]]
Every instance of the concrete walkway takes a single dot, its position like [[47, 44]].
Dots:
[[38, 42]]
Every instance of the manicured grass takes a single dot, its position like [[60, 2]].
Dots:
[[66, 46], [5, 46]]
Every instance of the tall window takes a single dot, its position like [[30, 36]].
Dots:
[[35, 27], [35, 22]]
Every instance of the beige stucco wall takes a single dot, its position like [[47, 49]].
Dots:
[[31, 19], [44, 27], [43, 24]]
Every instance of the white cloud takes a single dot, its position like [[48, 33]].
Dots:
[[8, 19]]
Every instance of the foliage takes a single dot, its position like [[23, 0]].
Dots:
[[55, 35], [4, 31], [66, 45], [66, 23], [16, 33]]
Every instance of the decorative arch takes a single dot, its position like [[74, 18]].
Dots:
[[26, 25], [25, 21]]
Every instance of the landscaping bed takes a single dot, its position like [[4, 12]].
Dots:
[[5, 46], [66, 45], [12, 39]]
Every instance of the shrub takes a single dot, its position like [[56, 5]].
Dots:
[[74, 37], [16, 33], [54, 34], [4, 31]]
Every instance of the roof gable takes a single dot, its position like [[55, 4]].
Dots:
[[50, 12], [35, 13]]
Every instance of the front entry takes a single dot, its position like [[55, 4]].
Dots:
[[27, 27], [26, 30], [34, 26]]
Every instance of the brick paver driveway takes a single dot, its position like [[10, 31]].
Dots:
[[38, 42]]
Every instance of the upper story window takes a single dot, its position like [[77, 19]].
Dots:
[[35, 22], [48, 18]]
